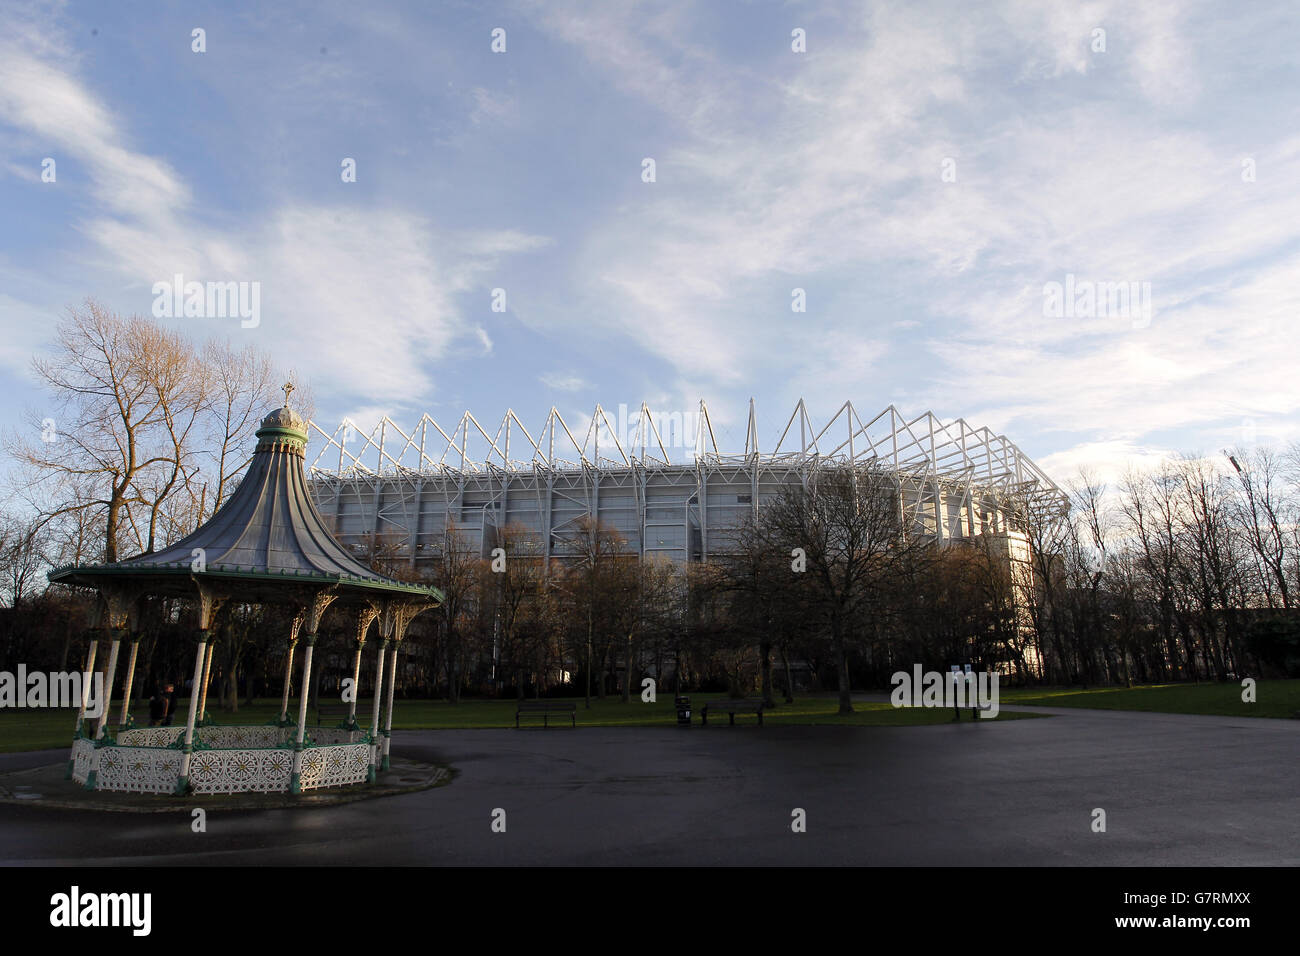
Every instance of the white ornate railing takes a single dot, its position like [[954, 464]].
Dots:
[[334, 766], [333, 735], [227, 759], [241, 771], [150, 736], [243, 738], [138, 769], [221, 737], [82, 751]]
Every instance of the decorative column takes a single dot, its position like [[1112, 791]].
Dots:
[[396, 618], [288, 669], [113, 649], [375, 746], [320, 602], [124, 722], [207, 607], [207, 674], [392, 685], [295, 781], [365, 617], [86, 674], [118, 610], [187, 753]]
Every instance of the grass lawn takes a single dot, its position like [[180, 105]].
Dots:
[[1273, 698], [44, 729]]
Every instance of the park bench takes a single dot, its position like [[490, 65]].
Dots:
[[337, 712], [546, 708], [731, 708]]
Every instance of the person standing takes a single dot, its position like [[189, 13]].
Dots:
[[170, 696], [157, 707]]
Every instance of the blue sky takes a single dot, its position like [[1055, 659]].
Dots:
[[775, 170]]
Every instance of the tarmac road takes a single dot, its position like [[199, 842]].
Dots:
[[1178, 790]]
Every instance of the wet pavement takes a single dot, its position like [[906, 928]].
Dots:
[[1177, 790]]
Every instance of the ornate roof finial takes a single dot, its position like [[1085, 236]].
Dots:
[[288, 388]]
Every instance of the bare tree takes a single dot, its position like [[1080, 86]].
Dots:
[[118, 436], [457, 569], [849, 528], [242, 386], [596, 581], [1266, 513], [24, 553], [515, 582]]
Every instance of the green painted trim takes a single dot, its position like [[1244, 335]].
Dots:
[[198, 743], [178, 570], [90, 779], [283, 431], [295, 783]]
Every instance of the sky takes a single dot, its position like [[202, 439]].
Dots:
[[926, 173]]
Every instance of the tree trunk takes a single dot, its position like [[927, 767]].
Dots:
[[627, 670], [233, 678], [765, 671], [842, 668], [789, 681]]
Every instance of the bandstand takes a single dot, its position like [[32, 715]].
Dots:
[[266, 545]]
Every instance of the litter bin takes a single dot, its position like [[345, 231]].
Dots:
[[683, 711]]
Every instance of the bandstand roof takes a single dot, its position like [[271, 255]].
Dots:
[[266, 544]]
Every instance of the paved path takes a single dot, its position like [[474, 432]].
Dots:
[[1177, 789]]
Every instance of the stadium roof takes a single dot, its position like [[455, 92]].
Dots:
[[923, 447]]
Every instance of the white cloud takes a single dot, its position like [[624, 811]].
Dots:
[[799, 173], [493, 107], [1105, 462], [40, 97], [328, 273], [562, 382]]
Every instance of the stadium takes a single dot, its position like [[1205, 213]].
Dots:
[[400, 491]]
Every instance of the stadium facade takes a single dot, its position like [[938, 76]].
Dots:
[[401, 491]]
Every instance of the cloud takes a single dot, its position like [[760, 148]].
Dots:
[[824, 173], [52, 104], [563, 383], [493, 108], [328, 272]]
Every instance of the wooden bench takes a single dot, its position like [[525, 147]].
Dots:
[[732, 708], [325, 711], [546, 708]]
